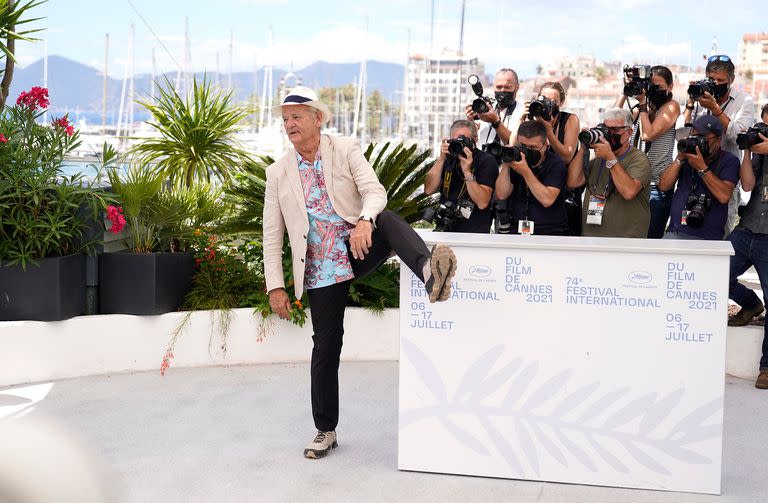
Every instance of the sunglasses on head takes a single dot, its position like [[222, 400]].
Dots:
[[718, 57]]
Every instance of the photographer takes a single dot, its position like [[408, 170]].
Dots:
[[750, 242], [734, 109], [562, 135], [616, 200], [534, 184], [465, 177], [657, 114], [707, 175], [502, 121]]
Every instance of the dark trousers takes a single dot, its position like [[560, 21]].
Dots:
[[749, 250], [661, 205], [327, 304]]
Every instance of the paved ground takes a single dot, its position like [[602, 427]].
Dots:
[[236, 435]]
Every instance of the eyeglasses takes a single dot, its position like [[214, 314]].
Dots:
[[719, 57]]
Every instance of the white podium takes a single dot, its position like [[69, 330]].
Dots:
[[579, 360]]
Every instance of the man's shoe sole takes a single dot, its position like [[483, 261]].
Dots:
[[443, 267], [316, 454], [739, 319]]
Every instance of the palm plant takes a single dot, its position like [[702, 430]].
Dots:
[[161, 218], [197, 134], [13, 15], [401, 170]]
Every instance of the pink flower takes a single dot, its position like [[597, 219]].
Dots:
[[35, 98], [3, 139], [63, 123], [114, 214]]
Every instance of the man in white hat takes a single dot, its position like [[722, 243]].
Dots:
[[326, 195]]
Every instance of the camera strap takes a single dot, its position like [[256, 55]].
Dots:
[[507, 114], [448, 176]]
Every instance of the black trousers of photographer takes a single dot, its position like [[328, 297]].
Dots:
[[328, 304]]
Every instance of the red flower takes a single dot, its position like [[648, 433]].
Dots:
[[64, 123], [3, 139], [114, 214], [33, 99]]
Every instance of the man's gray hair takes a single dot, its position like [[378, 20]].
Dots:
[[509, 70], [617, 113], [464, 123]]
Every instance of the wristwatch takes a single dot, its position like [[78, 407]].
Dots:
[[365, 218], [496, 124], [470, 178], [611, 163], [703, 172]]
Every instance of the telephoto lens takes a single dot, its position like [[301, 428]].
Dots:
[[751, 136], [593, 135], [697, 89], [688, 145]]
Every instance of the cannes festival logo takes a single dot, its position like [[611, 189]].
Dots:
[[640, 277], [480, 271]]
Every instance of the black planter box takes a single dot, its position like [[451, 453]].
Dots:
[[53, 290], [144, 283]]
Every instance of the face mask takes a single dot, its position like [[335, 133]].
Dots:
[[505, 98], [721, 90], [615, 141], [657, 96], [532, 157]]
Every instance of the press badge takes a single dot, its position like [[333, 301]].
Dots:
[[764, 199], [684, 217], [595, 210], [525, 227], [466, 212]]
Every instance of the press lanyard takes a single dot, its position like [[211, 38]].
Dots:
[[605, 194]]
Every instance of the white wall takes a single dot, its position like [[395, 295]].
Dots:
[[32, 351]]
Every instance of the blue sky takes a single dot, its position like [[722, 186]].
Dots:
[[500, 33]]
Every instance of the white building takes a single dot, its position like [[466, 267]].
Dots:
[[753, 56], [575, 67], [436, 92]]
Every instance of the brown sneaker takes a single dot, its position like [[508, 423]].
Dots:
[[322, 444], [762, 380], [744, 316], [442, 265]]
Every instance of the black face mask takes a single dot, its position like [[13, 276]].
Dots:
[[721, 90], [532, 157], [657, 96], [615, 141], [505, 98]]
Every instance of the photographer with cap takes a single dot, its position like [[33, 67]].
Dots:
[[465, 177], [617, 180], [656, 113], [500, 123], [325, 194], [705, 176], [734, 109], [750, 242], [535, 184]]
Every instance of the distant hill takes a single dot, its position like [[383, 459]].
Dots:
[[76, 88]]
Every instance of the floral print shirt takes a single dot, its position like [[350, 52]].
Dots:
[[327, 261]]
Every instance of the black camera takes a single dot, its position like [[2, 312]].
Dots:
[[543, 107], [503, 153], [503, 217], [697, 206], [750, 137], [639, 78], [456, 146], [697, 89], [448, 213], [593, 135], [482, 103], [688, 145]]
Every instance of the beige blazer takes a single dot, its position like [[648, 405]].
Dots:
[[353, 188]]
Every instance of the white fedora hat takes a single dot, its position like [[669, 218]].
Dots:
[[301, 95]]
